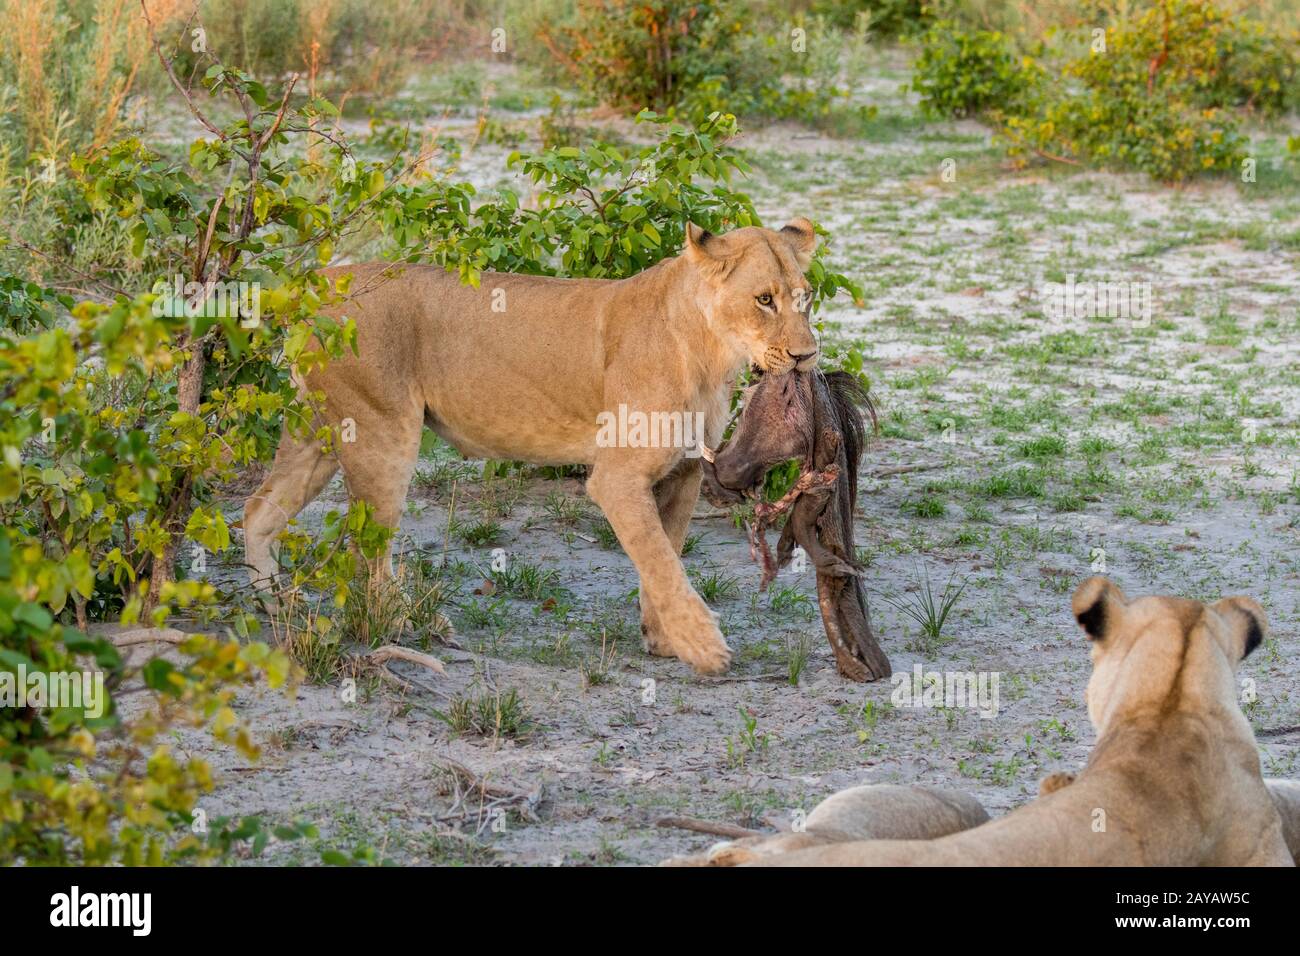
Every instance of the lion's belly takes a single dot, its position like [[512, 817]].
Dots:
[[509, 373], [540, 446], [546, 420]]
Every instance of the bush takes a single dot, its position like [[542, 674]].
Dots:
[[80, 782], [644, 54], [1153, 99], [350, 45], [602, 212], [71, 67], [115, 425], [963, 73], [1225, 60], [777, 74], [696, 58], [888, 18], [1151, 94]]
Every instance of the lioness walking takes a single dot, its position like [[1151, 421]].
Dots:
[[523, 367]]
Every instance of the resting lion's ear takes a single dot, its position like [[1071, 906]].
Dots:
[[1098, 605], [1246, 623], [801, 236]]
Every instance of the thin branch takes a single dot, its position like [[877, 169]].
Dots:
[[708, 826], [171, 74], [71, 268], [279, 116]]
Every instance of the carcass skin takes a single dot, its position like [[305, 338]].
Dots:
[[814, 417]]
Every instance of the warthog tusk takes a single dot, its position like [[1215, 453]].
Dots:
[[706, 453]]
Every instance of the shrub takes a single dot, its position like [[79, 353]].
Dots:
[[1150, 93], [350, 45], [115, 424], [963, 73], [643, 54], [80, 782], [1149, 101], [695, 57], [888, 18], [1222, 60], [72, 66], [602, 212], [778, 74]]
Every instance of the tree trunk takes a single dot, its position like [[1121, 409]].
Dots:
[[189, 395]]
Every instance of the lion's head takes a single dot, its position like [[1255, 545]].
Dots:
[[754, 292], [1163, 654]]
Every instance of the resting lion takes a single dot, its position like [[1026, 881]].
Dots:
[[1174, 779], [523, 367]]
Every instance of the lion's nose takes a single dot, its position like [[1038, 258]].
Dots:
[[802, 357]]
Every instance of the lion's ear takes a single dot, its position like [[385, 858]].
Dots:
[[1246, 623], [801, 236], [703, 249], [1098, 605], [697, 242]]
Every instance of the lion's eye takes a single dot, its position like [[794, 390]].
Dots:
[[765, 300]]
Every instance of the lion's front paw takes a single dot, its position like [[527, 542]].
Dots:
[[691, 634], [652, 641], [652, 634], [749, 850], [709, 659], [736, 853], [1054, 782]]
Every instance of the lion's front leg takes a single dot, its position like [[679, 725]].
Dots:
[[675, 497], [678, 623]]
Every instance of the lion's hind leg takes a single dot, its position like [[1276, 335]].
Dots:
[[378, 463], [300, 471], [868, 812]]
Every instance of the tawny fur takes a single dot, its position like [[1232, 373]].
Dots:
[[883, 811], [529, 379], [1174, 779], [1286, 797]]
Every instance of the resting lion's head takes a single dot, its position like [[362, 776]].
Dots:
[[754, 291], [1156, 655]]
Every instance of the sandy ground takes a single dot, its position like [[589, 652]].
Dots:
[[1046, 445]]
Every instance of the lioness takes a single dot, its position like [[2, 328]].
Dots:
[[523, 368], [1174, 779]]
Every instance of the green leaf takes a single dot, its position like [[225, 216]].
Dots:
[[157, 674]]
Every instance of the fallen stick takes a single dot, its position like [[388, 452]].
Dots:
[[707, 826], [491, 797], [774, 676], [260, 769], [395, 652], [1277, 731], [886, 471], [149, 635]]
